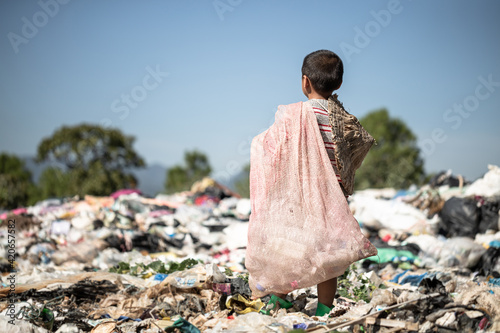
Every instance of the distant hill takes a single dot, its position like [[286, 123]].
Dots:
[[151, 179], [234, 179]]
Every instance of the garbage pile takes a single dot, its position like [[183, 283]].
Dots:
[[176, 263]]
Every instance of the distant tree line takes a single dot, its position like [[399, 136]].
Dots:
[[87, 159], [90, 159], [395, 160]]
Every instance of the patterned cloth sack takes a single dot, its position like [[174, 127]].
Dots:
[[352, 142]]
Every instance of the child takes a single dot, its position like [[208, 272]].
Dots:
[[301, 231]]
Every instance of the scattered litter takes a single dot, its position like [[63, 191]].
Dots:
[[176, 263]]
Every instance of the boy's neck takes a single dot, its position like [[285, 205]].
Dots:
[[315, 95]]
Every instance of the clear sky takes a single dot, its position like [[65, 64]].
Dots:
[[209, 75]]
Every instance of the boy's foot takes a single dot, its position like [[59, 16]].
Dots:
[[322, 309], [274, 304]]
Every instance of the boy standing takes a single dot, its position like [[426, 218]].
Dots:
[[301, 231]]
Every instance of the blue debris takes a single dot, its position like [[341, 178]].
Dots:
[[495, 243], [494, 282], [160, 277]]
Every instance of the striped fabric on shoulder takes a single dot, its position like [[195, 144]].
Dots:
[[320, 108]]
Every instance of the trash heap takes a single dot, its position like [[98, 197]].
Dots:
[[175, 263]]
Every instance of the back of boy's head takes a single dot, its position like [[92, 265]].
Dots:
[[324, 69]]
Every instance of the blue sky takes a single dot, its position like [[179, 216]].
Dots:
[[222, 67]]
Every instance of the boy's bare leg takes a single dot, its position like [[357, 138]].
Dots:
[[282, 296], [326, 292]]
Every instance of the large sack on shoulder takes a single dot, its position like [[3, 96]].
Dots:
[[301, 230]]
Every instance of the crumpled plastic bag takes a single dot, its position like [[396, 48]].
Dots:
[[194, 277], [488, 186], [241, 305], [251, 322], [301, 230]]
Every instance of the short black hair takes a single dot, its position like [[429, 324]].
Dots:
[[324, 69]]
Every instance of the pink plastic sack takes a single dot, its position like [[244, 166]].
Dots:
[[301, 230]]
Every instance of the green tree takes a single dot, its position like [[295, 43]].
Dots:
[[96, 161], [15, 182], [395, 161], [181, 177], [242, 185], [55, 183]]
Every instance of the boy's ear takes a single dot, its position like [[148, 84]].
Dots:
[[306, 83], [306, 86]]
